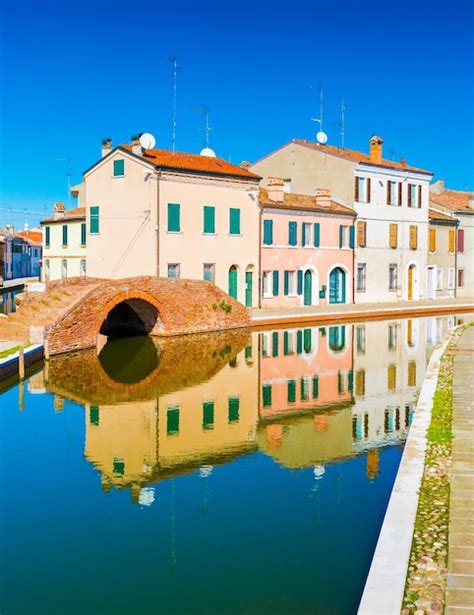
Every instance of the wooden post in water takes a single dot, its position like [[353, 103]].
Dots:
[[21, 364]]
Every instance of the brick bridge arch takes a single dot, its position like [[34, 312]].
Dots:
[[160, 306]]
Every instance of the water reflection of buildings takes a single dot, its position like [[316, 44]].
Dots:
[[305, 397]]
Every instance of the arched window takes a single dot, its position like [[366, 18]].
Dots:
[[337, 338]]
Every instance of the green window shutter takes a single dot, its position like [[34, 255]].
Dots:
[[174, 225], [285, 343], [267, 395], [307, 339], [291, 391], [248, 352], [350, 381], [234, 221], [299, 342], [315, 387], [172, 420], [351, 237], [209, 219], [94, 219], [300, 282], [94, 416], [340, 382], [292, 233], [119, 167], [233, 409], [341, 235], [267, 232], [64, 234], [276, 276], [83, 234], [286, 282], [208, 415], [47, 237], [275, 344], [119, 466], [316, 235]]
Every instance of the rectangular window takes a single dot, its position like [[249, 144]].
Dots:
[[267, 395], [119, 466], [266, 284], [290, 286], [94, 417], [361, 233], [411, 195], [288, 343], [316, 235], [209, 272], [233, 409], [392, 193], [340, 382], [275, 344], [173, 270], [208, 415], [461, 240], [265, 344], [391, 377], [451, 278], [360, 382], [361, 276], [304, 388], [174, 215], [342, 236], [234, 221], [315, 387], [360, 339], [420, 195], [47, 236], [439, 278], [306, 233], [460, 278], [413, 237], [291, 391], [267, 232], [451, 241], [356, 189], [94, 219], [119, 168], [83, 234], [209, 219], [64, 235], [412, 374], [172, 420], [393, 235], [392, 337], [292, 233], [276, 279], [393, 276], [400, 194], [352, 237], [362, 190], [432, 240]]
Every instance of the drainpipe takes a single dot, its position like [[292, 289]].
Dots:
[[158, 229], [260, 239], [456, 259], [354, 270]]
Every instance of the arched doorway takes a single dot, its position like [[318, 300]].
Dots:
[[337, 286], [233, 281], [411, 282], [308, 287]]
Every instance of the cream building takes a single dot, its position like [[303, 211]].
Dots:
[[442, 258], [168, 214], [64, 244], [391, 201]]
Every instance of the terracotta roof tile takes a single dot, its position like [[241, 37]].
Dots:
[[356, 156], [456, 200], [35, 236], [294, 201], [193, 162], [437, 215], [70, 214]]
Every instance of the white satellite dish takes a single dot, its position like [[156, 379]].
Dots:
[[147, 140], [207, 151], [322, 137]]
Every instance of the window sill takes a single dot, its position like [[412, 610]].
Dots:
[[361, 290], [117, 176], [211, 234], [174, 232], [234, 234]]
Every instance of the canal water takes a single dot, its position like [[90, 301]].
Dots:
[[7, 300], [224, 473]]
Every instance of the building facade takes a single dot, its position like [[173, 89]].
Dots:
[[32, 251], [441, 268], [307, 248], [168, 214], [391, 202], [64, 244]]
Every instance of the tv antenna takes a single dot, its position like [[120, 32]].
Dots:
[[321, 136], [68, 178], [342, 122], [207, 129], [174, 63]]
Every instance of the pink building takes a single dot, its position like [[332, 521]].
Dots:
[[307, 248]]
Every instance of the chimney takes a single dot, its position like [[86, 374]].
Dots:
[[437, 187], [136, 147], [11, 229], [375, 144], [323, 197], [244, 164], [106, 146], [275, 189], [403, 162]]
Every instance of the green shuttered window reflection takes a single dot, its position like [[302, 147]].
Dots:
[[172, 420], [208, 415], [291, 391], [267, 395], [233, 409], [94, 416]]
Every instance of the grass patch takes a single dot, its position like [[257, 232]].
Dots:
[[12, 350]]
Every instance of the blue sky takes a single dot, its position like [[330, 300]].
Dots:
[[73, 72]]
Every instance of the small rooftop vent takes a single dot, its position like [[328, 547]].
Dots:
[[208, 152]]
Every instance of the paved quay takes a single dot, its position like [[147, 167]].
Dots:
[[460, 582], [8, 284], [353, 312]]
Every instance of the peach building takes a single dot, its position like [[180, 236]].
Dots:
[[307, 248], [162, 213]]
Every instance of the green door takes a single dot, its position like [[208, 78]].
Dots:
[[233, 282], [307, 287], [337, 286], [248, 289]]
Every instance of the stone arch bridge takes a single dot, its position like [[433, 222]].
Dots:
[[75, 314]]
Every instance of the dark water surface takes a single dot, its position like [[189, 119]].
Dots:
[[227, 473]]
